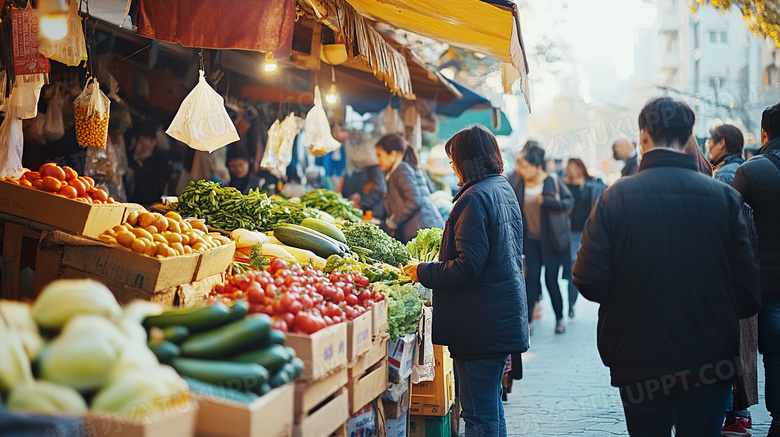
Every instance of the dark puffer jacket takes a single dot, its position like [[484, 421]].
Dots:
[[759, 182], [668, 256], [479, 301], [408, 204], [726, 167]]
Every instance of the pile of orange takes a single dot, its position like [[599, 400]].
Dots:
[[162, 236], [63, 181]]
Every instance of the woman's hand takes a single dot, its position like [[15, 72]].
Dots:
[[411, 272]]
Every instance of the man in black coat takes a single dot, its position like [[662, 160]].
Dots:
[[667, 254], [625, 150], [758, 180]]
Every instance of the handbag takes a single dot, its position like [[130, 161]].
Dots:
[[559, 228]]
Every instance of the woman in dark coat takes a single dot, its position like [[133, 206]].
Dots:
[[479, 302], [536, 194], [407, 202]]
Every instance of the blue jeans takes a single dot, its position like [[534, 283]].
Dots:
[[694, 411], [769, 346], [479, 390]]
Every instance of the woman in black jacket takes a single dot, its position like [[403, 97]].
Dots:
[[540, 193], [479, 303], [585, 190], [407, 202]]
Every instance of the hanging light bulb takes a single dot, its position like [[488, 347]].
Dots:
[[53, 18], [269, 65], [332, 97]]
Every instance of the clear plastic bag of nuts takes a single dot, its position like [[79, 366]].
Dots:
[[90, 112]]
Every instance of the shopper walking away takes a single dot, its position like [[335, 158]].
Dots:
[[758, 180], [480, 307], [625, 150], [540, 196], [667, 254], [407, 202], [585, 190]]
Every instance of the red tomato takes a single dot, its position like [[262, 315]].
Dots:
[[351, 300], [287, 300], [279, 281], [364, 282], [255, 293], [270, 290], [263, 280], [338, 295], [280, 325], [295, 307], [307, 302], [364, 296], [289, 319], [278, 308], [328, 320], [276, 264], [337, 319], [305, 322]]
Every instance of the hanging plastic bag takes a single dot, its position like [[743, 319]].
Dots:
[[24, 96], [390, 121], [54, 126], [11, 146], [202, 121], [91, 113], [318, 139], [71, 49]]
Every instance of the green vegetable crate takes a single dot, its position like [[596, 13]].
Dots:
[[427, 426]]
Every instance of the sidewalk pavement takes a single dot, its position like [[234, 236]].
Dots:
[[565, 388]]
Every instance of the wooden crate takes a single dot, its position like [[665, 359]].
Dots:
[[367, 386], [268, 416], [325, 419]]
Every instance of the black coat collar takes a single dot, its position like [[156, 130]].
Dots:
[[667, 158], [470, 184], [727, 158], [773, 144]]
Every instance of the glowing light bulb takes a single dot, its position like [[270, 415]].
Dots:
[[333, 95], [54, 26], [270, 66]]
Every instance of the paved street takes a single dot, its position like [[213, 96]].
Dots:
[[565, 390]]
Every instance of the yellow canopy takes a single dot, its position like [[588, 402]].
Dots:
[[474, 25]]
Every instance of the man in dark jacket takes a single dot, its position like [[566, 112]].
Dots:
[[668, 256], [758, 180], [625, 150]]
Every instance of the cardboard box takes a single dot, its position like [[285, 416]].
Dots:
[[368, 386], [268, 416], [126, 267], [379, 319], [398, 427], [310, 394], [434, 398], [400, 354], [358, 336], [215, 261], [323, 352], [326, 419], [363, 422], [59, 212], [426, 426], [394, 410]]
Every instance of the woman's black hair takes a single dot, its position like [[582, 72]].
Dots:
[[735, 142], [396, 143], [475, 153], [534, 154]]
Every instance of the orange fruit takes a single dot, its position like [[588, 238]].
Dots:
[[51, 184], [174, 226], [125, 238], [70, 174], [138, 245], [12, 180], [68, 192], [45, 168], [173, 215], [132, 218], [78, 185], [89, 180], [56, 173], [100, 195], [161, 223], [142, 233], [31, 175], [85, 199], [28, 184], [111, 200]]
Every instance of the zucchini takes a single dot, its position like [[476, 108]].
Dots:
[[263, 389], [165, 351], [238, 310], [298, 366], [228, 339], [237, 376], [276, 337], [272, 358], [219, 391], [196, 319], [316, 233], [176, 334], [324, 228], [305, 240], [291, 351], [289, 373]]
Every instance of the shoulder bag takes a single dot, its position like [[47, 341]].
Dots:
[[560, 236]]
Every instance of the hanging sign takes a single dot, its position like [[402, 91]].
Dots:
[[27, 59]]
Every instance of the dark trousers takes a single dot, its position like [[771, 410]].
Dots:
[[694, 411], [533, 278]]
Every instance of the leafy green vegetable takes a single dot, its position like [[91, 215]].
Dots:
[[332, 203], [383, 247], [403, 309], [425, 246], [256, 258]]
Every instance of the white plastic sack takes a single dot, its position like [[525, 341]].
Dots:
[[318, 139], [11, 146], [279, 146], [24, 96], [202, 121], [71, 49], [54, 126], [390, 121]]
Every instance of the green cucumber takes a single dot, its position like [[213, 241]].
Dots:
[[275, 337], [324, 228], [165, 351], [317, 233], [263, 389], [272, 358], [289, 373], [237, 376], [298, 366], [306, 240], [196, 319], [238, 310], [207, 389], [291, 351], [229, 339], [176, 334]]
